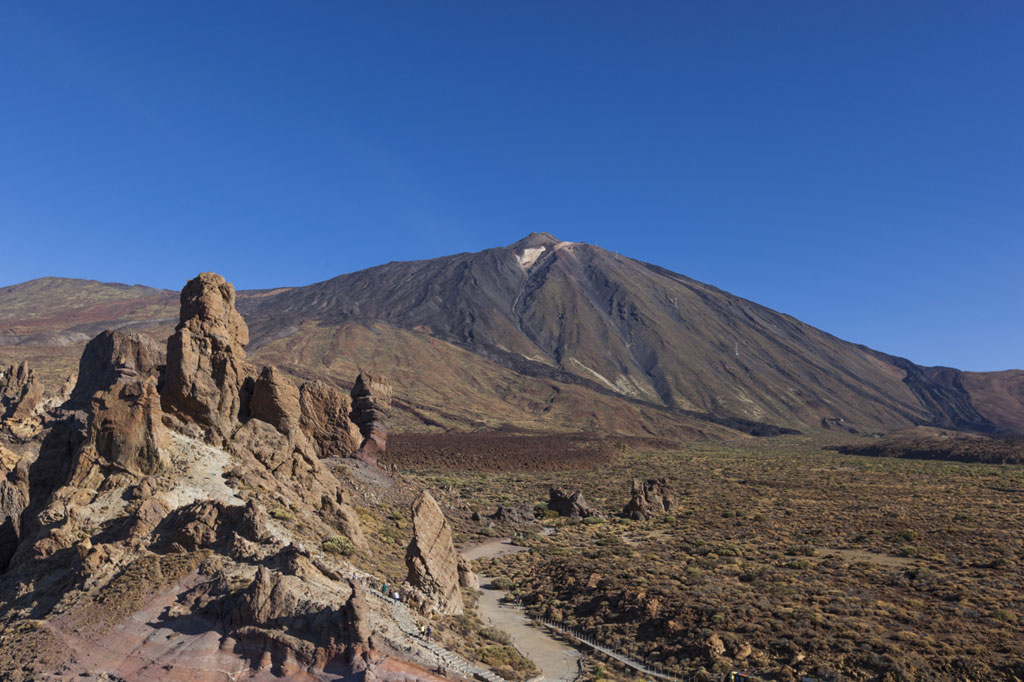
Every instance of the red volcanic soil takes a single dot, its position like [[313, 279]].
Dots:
[[498, 451]]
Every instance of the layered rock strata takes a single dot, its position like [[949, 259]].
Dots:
[[371, 405], [432, 561]]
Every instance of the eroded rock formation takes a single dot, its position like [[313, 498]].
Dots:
[[117, 386], [649, 498], [371, 405], [326, 420], [174, 463], [275, 400], [206, 368], [431, 558], [569, 504], [20, 392]]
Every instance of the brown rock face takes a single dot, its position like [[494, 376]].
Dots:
[[371, 405], [20, 392], [14, 497], [210, 523], [569, 504], [343, 517], [431, 558], [117, 385], [275, 400], [114, 357], [325, 419], [652, 497], [206, 368], [275, 604]]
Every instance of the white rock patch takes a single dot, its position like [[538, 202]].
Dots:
[[529, 256]]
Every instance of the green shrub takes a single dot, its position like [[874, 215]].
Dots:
[[496, 635], [501, 656], [281, 514], [802, 550], [339, 544], [502, 583]]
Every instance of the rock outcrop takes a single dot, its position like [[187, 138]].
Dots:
[[467, 578], [275, 400], [114, 357], [276, 603], [517, 516], [569, 504], [371, 406], [207, 379], [326, 420], [431, 558], [117, 386], [157, 469], [209, 523], [20, 392], [650, 498]]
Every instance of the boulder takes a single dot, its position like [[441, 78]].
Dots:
[[371, 406], [431, 558], [569, 504], [325, 419], [207, 379], [649, 498]]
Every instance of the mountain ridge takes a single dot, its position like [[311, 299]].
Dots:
[[570, 313]]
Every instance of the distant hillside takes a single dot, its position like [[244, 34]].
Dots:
[[545, 334]]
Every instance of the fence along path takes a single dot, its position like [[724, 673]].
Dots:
[[607, 651], [407, 624]]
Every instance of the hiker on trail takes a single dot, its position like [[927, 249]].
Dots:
[[422, 630], [396, 597], [428, 632], [384, 589]]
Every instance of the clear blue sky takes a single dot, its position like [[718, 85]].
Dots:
[[858, 165]]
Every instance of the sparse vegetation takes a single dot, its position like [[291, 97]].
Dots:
[[281, 514], [798, 560]]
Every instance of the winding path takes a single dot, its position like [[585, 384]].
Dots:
[[556, 660]]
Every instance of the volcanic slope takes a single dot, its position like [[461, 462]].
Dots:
[[578, 314], [545, 334]]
